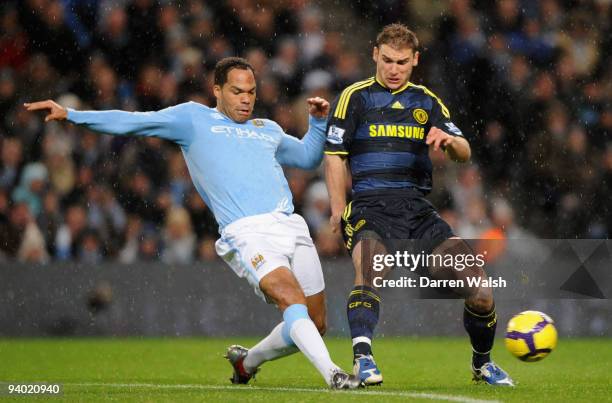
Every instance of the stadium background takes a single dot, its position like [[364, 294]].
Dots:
[[529, 82]]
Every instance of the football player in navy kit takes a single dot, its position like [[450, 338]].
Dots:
[[381, 130]]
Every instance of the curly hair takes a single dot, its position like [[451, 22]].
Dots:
[[223, 67]]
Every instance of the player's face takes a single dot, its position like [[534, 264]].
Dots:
[[394, 66], [236, 98]]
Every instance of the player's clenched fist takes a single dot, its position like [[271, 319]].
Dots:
[[56, 111], [318, 107]]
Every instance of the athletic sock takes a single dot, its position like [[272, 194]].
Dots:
[[302, 331], [273, 346], [362, 310], [481, 329]]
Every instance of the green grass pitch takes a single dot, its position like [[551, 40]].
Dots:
[[415, 369]]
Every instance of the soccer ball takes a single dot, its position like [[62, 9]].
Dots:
[[531, 336]]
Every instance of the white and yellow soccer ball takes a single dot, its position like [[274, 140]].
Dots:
[[531, 336]]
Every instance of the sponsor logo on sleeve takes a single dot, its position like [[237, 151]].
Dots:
[[453, 129], [335, 134]]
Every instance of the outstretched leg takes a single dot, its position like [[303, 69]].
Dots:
[[275, 346], [283, 289]]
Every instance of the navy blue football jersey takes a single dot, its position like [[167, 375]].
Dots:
[[383, 132]]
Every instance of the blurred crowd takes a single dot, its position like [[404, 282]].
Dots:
[[532, 80], [528, 82]]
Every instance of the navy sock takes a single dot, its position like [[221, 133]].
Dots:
[[362, 309], [481, 329]]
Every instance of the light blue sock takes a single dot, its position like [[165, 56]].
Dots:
[[272, 347], [302, 331]]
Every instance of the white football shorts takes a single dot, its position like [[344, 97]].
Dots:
[[254, 246]]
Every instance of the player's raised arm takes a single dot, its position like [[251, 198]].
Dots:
[[308, 152], [172, 123]]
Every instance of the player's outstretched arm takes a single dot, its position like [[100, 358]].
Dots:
[[172, 123], [308, 152], [457, 147], [335, 178]]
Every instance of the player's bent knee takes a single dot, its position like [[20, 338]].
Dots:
[[363, 257], [282, 288], [290, 297], [480, 303]]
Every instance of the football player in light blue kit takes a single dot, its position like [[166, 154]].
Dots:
[[235, 164]]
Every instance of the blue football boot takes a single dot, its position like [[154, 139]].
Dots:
[[492, 374], [367, 371]]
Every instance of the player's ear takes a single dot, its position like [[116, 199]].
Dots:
[[415, 59], [375, 54], [217, 91]]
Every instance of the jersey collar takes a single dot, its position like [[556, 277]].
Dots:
[[230, 119]]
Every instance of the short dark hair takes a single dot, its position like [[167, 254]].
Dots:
[[223, 67], [397, 36]]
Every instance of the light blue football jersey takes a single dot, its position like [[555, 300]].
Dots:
[[236, 167]]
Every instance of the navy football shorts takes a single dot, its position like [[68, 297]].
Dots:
[[394, 217]]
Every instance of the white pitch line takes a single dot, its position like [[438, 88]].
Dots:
[[415, 395]]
